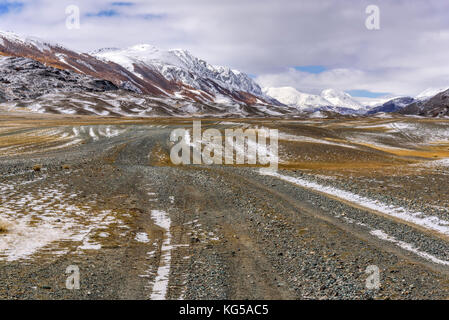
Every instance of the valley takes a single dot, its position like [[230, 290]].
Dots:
[[101, 193]]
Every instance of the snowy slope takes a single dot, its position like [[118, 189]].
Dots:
[[437, 106], [408, 105], [145, 69], [430, 93], [181, 66], [37, 43], [57, 56]]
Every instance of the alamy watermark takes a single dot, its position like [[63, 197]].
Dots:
[[73, 281], [372, 22], [373, 280], [73, 17], [237, 146]]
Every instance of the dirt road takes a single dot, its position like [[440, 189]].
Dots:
[[102, 195]]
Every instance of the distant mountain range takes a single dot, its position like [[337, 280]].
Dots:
[[329, 100], [144, 80], [429, 103], [393, 105]]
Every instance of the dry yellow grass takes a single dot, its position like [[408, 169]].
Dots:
[[160, 157], [4, 226], [429, 152], [335, 165]]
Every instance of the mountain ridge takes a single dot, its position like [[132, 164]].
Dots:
[[175, 77], [437, 106], [181, 65], [140, 77]]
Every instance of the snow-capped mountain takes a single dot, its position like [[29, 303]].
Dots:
[[26, 41], [430, 93], [292, 97], [64, 59], [393, 105], [410, 105], [148, 81], [144, 69], [341, 99], [330, 100], [181, 66], [436, 106]]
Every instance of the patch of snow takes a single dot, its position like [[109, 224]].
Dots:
[[92, 134], [291, 137], [409, 247], [432, 223], [45, 219], [380, 234], [160, 286], [142, 237]]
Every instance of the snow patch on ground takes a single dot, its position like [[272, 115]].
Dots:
[[432, 223], [142, 237], [291, 137], [160, 286], [418, 218], [409, 247], [45, 220]]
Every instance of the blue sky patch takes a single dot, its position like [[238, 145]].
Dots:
[[123, 4], [7, 7], [104, 13], [366, 93], [115, 11], [311, 69], [151, 16]]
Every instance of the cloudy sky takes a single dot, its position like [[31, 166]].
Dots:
[[308, 44]]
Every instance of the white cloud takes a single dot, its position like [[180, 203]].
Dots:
[[266, 38]]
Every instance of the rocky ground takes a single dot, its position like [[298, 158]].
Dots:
[[102, 194]]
